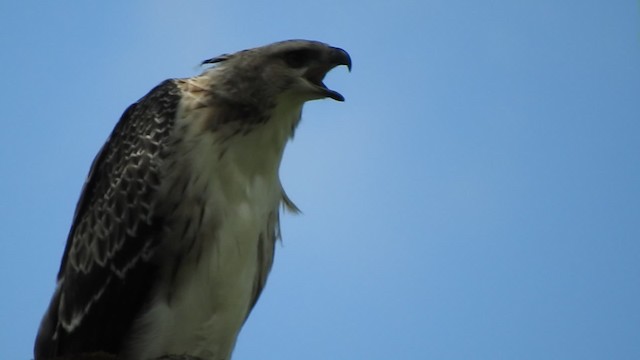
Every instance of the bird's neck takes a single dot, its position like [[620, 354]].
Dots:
[[259, 151]]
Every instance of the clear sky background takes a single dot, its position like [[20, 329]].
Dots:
[[476, 197]]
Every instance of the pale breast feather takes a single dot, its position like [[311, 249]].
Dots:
[[220, 234]]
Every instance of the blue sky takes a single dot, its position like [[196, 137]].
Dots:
[[476, 197]]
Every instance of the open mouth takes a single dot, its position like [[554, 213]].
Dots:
[[316, 76]]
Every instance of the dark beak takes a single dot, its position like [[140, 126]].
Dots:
[[336, 57], [340, 57]]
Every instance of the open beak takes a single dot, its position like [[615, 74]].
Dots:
[[315, 75]]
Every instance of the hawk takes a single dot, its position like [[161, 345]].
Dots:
[[173, 236]]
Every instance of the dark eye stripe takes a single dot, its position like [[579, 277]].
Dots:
[[298, 58]]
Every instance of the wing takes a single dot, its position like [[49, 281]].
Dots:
[[106, 271]]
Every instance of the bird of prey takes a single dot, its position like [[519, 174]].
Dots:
[[173, 235]]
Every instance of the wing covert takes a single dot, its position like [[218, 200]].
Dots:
[[113, 234]]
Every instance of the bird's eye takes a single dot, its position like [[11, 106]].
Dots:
[[297, 58]]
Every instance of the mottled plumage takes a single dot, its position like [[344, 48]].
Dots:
[[173, 236]]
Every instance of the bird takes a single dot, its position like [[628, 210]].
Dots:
[[173, 236]]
